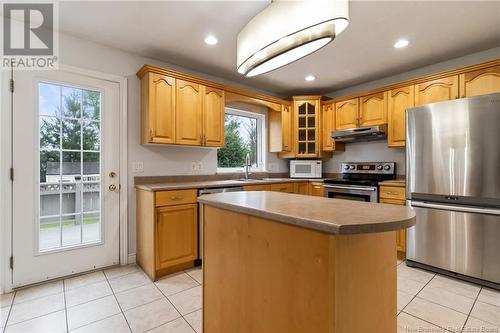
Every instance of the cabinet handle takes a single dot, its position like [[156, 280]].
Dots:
[[176, 198], [392, 193]]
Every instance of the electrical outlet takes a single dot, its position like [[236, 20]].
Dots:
[[199, 166], [193, 166], [138, 167]]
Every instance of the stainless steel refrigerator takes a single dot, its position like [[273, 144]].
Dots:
[[453, 183]]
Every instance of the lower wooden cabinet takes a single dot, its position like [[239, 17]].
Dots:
[[167, 231], [260, 187], [283, 187], [317, 189], [302, 188], [395, 195]]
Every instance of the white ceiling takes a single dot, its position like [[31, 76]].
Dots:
[[174, 31]]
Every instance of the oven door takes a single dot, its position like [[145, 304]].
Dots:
[[348, 192]]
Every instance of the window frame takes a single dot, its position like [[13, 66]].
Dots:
[[261, 140]]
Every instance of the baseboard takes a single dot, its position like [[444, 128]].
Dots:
[[131, 258]]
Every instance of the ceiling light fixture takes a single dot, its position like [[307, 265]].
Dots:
[[310, 78], [401, 43], [211, 40], [286, 31]]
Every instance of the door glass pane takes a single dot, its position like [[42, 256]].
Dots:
[[70, 180]]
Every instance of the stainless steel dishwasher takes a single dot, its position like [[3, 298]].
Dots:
[[200, 215]]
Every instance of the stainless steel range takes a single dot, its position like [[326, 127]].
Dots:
[[360, 180]]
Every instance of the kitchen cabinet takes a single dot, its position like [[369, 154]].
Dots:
[[317, 189], [328, 125], [188, 113], [438, 90], [346, 114], [286, 128], [306, 117], [180, 112], [259, 187], [167, 231], [395, 195], [283, 187], [373, 109], [399, 100], [213, 117], [158, 105], [480, 82], [302, 188]]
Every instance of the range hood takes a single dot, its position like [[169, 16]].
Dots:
[[361, 134]]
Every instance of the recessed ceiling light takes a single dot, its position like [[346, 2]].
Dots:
[[310, 78], [211, 40], [401, 43]]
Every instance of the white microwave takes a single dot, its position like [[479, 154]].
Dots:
[[305, 168]]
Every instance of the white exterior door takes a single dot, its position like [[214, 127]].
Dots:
[[66, 182]]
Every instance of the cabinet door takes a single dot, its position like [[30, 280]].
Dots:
[[399, 100], [400, 234], [436, 90], [213, 117], [328, 125], [307, 115], [160, 108], [480, 82], [188, 113], [302, 188], [285, 187], [346, 114], [176, 235], [373, 109], [286, 128], [317, 189]]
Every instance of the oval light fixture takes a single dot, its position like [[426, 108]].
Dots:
[[286, 31]]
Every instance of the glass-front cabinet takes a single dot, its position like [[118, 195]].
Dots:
[[307, 115]]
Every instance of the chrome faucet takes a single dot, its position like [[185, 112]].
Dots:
[[247, 165]]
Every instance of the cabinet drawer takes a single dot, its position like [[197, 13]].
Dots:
[[178, 197], [286, 187], [392, 192], [257, 187]]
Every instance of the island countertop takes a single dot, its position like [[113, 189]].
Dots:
[[334, 216]]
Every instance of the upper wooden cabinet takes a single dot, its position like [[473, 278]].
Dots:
[[306, 117], [480, 82], [176, 111], [400, 99], [436, 90], [213, 117], [346, 114], [328, 125], [158, 98], [373, 109], [286, 128]]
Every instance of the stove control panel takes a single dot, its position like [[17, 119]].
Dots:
[[385, 168]]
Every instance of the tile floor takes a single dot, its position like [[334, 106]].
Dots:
[[123, 299]]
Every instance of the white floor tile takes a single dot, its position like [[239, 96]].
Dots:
[[195, 320], [4, 313], [436, 314], [82, 280], [51, 323], [476, 325], [409, 286], [486, 312], [90, 312], [455, 286], [138, 296], [118, 271], [489, 296], [151, 315], [175, 326], [196, 273], [187, 301], [87, 293], [403, 299], [113, 324], [6, 299], [446, 298], [129, 281], [36, 308], [415, 274], [176, 283], [46, 289], [408, 323]]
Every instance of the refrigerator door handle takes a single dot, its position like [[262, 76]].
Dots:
[[455, 208]]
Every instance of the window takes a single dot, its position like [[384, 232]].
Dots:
[[243, 135]]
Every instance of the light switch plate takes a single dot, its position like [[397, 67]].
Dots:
[[137, 167]]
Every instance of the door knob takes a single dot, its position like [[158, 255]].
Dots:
[[112, 174], [112, 187]]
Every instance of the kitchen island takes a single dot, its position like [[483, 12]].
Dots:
[[278, 262]]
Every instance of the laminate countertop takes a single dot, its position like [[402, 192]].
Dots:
[[335, 216], [217, 183]]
